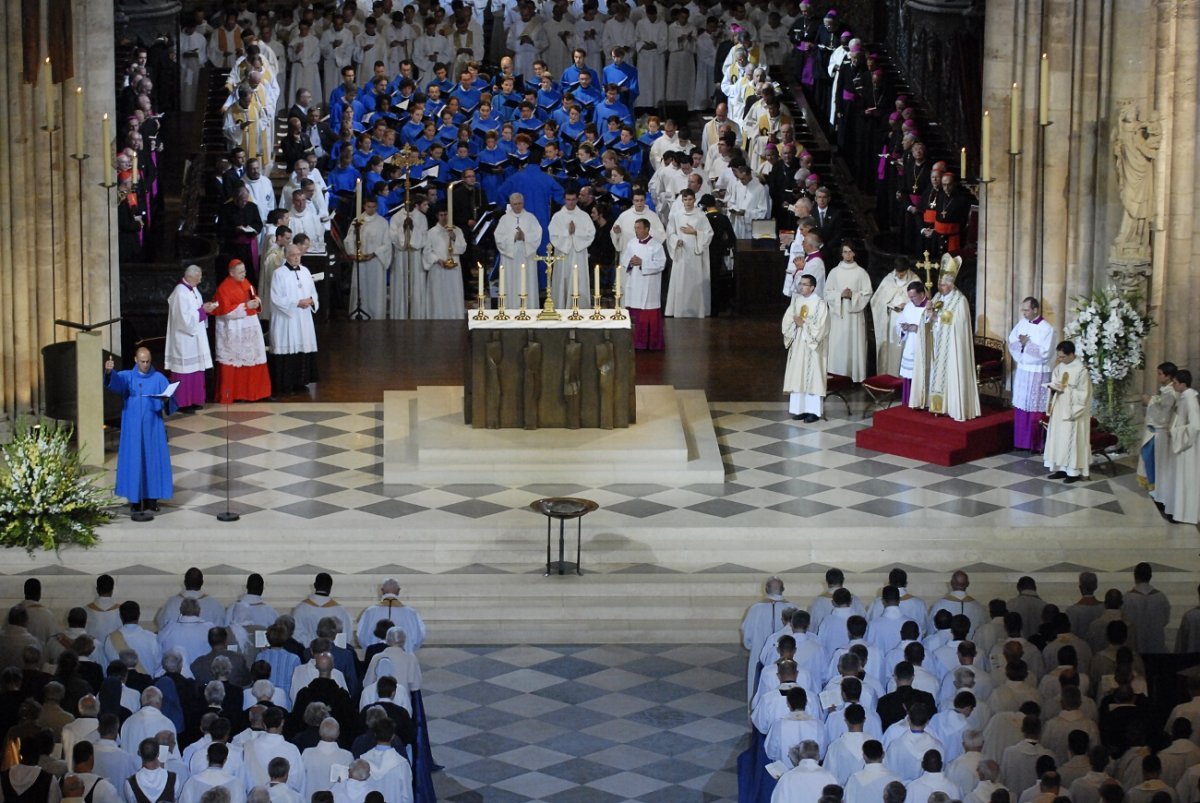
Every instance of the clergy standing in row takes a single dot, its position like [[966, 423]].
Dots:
[[571, 233], [914, 333], [518, 238], [143, 459], [1156, 445], [370, 272], [1181, 503], [1068, 437], [293, 335], [747, 202], [806, 337], [889, 300], [848, 292], [1031, 344], [409, 229], [689, 235], [242, 373], [952, 389], [442, 267], [644, 261], [623, 229], [187, 352]]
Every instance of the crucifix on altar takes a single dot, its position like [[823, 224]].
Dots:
[[548, 312]]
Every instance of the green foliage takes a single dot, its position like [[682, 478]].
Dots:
[[47, 497]]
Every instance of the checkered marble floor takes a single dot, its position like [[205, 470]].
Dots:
[[590, 723], [314, 462]]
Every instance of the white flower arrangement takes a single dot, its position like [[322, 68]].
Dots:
[[1109, 335], [47, 497]]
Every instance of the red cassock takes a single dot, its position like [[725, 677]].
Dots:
[[242, 373]]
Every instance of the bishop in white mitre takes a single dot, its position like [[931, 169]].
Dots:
[[952, 389]]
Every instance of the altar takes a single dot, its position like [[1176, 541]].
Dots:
[[549, 374]]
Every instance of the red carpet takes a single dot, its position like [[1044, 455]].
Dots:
[[938, 439]]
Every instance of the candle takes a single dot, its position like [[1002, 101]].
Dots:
[[106, 136], [501, 281], [79, 121], [962, 164], [1014, 118], [985, 148], [617, 286], [1044, 92], [251, 133], [596, 292], [357, 198], [481, 287], [522, 278], [49, 97], [575, 279], [133, 174], [450, 204]]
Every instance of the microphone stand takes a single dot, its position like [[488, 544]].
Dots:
[[227, 514]]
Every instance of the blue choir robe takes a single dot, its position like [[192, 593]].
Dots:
[[539, 190], [588, 99], [458, 164], [508, 105], [335, 114], [468, 99], [340, 179], [372, 178], [361, 159], [604, 110], [547, 102], [625, 76], [570, 77], [411, 131], [480, 125], [493, 172], [143, 460], [532, 127]]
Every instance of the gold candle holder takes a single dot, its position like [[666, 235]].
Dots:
[[596, 315], [480, 313], [575, 316], [523, 315], [500, 315], [617, 314]]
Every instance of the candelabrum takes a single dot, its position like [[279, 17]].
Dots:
[[500, 315], [523, 315], [574, 316], [617, 315]]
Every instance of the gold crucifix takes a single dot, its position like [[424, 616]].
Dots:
[[548, 312], [928, 266]]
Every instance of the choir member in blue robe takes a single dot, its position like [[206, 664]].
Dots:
[[548, 98], [588, 96], [485, 120], [493, 168], [611, 106], [461, 161], [143, 460], [570, 76], [624, 75], [467, 94]]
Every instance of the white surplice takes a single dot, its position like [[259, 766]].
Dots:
[[575, 248], [847, 323], [690, 292]]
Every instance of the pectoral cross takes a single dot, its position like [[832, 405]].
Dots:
[[928, 266], [548, 312]]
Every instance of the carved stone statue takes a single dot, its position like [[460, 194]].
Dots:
[[1135, 145]]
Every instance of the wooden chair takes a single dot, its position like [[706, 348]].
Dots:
[[989, 364]]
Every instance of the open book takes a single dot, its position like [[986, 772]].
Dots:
[[166, 394]]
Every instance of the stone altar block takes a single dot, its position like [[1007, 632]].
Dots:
[[550, 374]]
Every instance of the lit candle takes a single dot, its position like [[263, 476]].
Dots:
[[481, 287], [251, 134], [450, 204], [1014, 118], [596, 292], [49, 97], [985, 148], [962, 164], [575, 279], [1044, 92], [522, 278], [502, 280], [617, 286], [357, 198], [106, 135], [133, 174], [79, 121]]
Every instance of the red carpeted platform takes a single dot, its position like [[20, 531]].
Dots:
[[938, 439]]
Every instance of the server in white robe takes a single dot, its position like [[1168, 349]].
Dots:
[[527, 40], [761, 622], [805, 782], [304, 61], [748, 201], [806, 337], [952, 388], [294, 300], [622, 230], [441, 261], [1182, 502], [644, 261], [409, 230], [913, 331], [889, 300], [1068, 452], [225, 44], [262, 191], [681, 54], [1156, 446], [689, 235], [193, 53], [804, 256], [1031, 344], [571, 233], [518, 237], [370, 46], [374, 239], [848, 292], [650, 33], [338, 51]]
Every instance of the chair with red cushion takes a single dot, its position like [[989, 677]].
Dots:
[[884, 390], [838, 385], [989, 364]]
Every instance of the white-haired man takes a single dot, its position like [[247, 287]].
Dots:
[[391, 608], [187, 352], [147, 722]]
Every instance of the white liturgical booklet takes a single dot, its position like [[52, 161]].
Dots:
[[166, 394], [831, 698], [776, 768]]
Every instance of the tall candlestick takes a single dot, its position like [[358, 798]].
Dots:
[[575, 279], [985, 148], [962, 164], [251, 135], [357, 198], [596, 291], [1044, 92], [49, 97], [522, 278], [79, 121], [1014, 118], [106, 135]]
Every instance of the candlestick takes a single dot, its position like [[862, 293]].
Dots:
[[106, 135], [250, 134], [1014, 118], [523, 315], [962, 164], [49, 85], [357, 198], [985, 148], [1044, 92], [501, 315], [79, 121]]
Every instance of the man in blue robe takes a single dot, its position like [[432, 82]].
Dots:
[[143, 460], [539, 190]]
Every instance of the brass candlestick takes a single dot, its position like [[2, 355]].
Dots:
[[500, 315], [617, 314], [480, 315], [523, 315], [575, 316], [596, 315]]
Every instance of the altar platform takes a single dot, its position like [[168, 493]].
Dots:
[[938, 439]]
